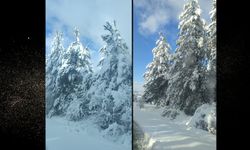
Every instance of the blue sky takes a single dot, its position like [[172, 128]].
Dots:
[[152, 17], [89, 16]]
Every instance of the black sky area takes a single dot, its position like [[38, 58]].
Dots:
[[22, 68], [233, 79], [20, 19]]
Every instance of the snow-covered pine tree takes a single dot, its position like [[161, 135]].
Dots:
[[111, 93], [211, 69], [53, 63], [156, 76], [73, 81], [187, 89]]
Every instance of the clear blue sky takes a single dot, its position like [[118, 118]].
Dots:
[[143, 46], [152, 17]]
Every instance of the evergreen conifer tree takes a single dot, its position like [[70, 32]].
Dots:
[[111, 91], [53, 63], [73, 77], [187, 89], [211, 69], [156, 76]]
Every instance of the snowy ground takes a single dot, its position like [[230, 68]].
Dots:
[[67, 135], [169, 134]]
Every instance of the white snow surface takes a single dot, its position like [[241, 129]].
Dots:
[[68, 135], [206, 113], [167, 134]]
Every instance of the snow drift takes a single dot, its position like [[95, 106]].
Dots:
[[204, 118]]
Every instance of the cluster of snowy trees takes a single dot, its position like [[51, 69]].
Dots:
[[185, 79], [75, 91]]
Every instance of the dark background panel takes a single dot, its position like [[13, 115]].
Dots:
[[22, 68], [233, 66], [20, 19]]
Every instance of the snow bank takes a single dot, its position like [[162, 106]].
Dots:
[[116, 133], [204, 118], [62, 134], [141, 140], [169, 134]]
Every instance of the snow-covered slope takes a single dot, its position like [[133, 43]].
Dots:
[[68, 135], [169, 134]]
